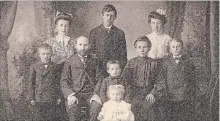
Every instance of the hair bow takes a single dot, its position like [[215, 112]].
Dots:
[[63, 13], [161, 11]]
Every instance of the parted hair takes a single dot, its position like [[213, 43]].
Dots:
[[144, 39], [44, 46], [176, 40], [112, 62], [109, 8]]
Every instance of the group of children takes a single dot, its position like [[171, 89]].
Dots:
[[127, 94]]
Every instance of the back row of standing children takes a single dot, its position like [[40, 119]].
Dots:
[[96, 78]]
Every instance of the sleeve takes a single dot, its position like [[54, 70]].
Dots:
[[99, 77], [103, 91], [31, 83], [127, 73], [131, 116], [127, 115], [127, 76], [127, 92], [93, 41], [159, 89], [167, 44], [71, 48], [191, 76], [66, 80], [97, 88], [123, 50], [102, 112], [58, 72]]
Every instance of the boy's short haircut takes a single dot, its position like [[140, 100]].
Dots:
[[119, 87], [112, 62], [45, 46], [109, 8], [176, 40], [144, 39]]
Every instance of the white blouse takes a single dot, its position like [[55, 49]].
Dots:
[[159, 47]]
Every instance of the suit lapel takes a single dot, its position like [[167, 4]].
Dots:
[[81, 65], [49, 67], [41, 68], [173, 64]]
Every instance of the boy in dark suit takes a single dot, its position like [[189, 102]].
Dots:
[[107, 41], [80, 74], [44, 86], [177, 73], [114, 70], [140, 73]]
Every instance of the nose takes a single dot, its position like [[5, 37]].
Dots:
[[176, 48], [83, 47], [156, 25]]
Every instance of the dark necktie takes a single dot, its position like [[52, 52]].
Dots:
[[84, 59]]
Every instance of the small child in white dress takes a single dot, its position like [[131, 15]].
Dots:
[[116, 109]]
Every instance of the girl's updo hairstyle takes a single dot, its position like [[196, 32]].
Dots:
[[63, 16], [158, 14]]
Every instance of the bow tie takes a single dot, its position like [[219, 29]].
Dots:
[[177, 58]]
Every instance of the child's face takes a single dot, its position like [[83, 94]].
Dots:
[[156, 25], [62, 27], [176, 48], [45, 54], [114, 70], [108, 18], [115, 95], [142, 48], [82, 46]]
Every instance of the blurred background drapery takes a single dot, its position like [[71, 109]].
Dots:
[[25, 23], [7, 16]]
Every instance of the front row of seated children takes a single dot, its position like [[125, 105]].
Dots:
[[120, 97]]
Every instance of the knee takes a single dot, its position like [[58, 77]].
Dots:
[[73, 109]]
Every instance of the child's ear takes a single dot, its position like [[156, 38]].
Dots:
[[102, 15]]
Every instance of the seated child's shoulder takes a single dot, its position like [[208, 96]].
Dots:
[[126, 105]]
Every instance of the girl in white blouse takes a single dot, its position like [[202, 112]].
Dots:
[[61, 44], [158, 38]]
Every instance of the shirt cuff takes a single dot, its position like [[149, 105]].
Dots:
[[71, 95]]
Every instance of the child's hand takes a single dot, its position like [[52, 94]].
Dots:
[[150, 98], [71, 100], [33, 102], [58, 101]]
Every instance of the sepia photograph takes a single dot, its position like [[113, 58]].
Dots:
[[113, 60]]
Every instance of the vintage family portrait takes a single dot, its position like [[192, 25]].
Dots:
[[109, 60]]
